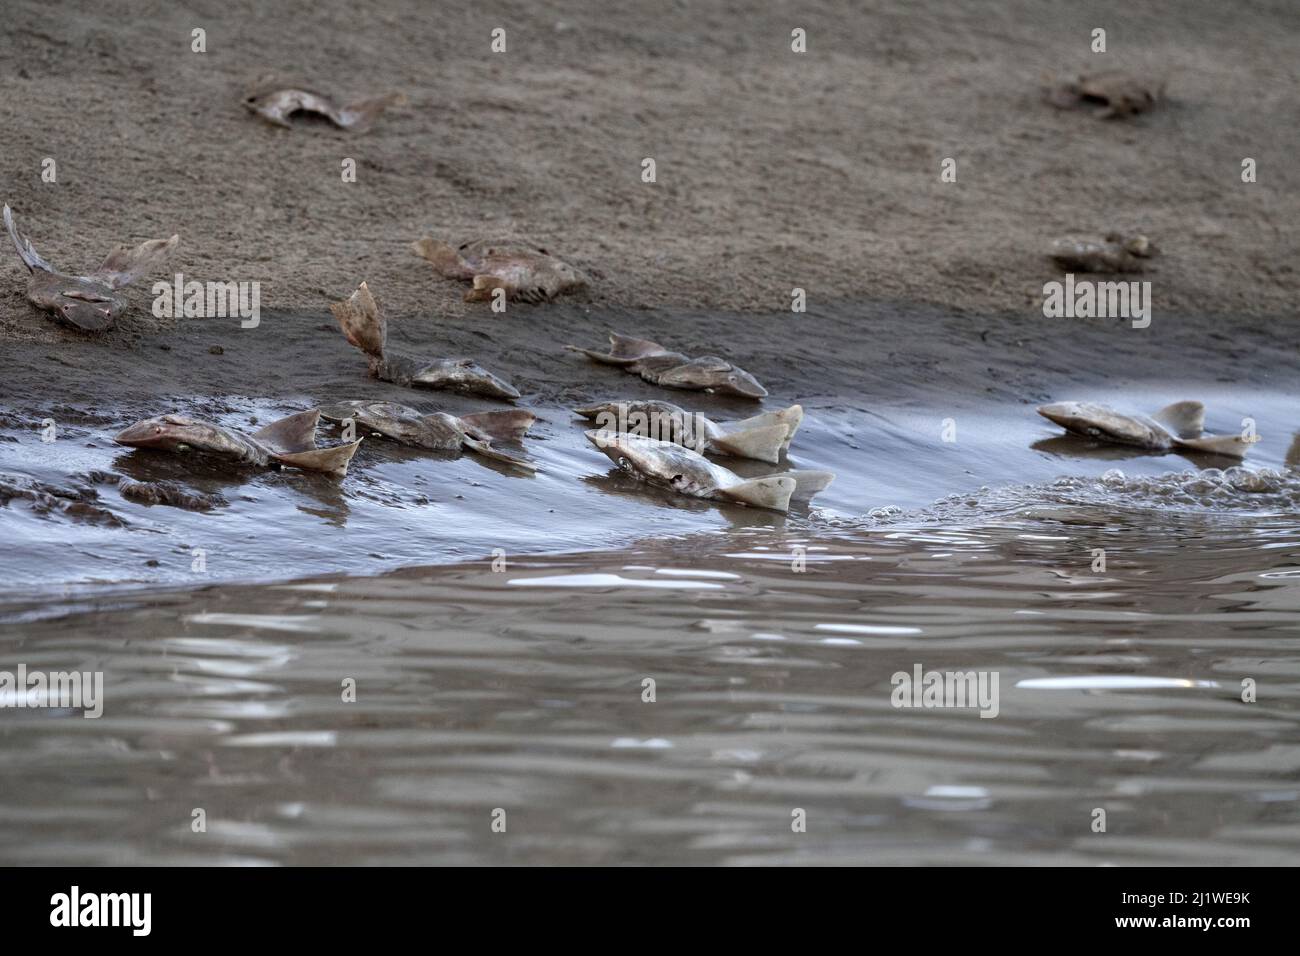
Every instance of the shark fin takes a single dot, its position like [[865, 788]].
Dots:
[[502, 426], [1293, 453], [357, 117], [484, 286], [361, 321], [1231, 446], [762, 444], [296, 433], [31, 258], [124, 265], [339, 411], [791, 418], [446, 260], [487, 451], [773, 493], [332, 461], [807, 483], [1184, 419], [623, 350]]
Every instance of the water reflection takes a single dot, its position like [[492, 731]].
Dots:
[[678, 702]]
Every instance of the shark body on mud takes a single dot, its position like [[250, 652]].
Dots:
[[659, 366], [438, 431], [290, 441], [690, 473], [1176, 427], [90, 302], [764, 437], [276, 106], [365, 327], [525, 272]]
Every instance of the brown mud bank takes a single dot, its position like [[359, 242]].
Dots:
[[775, 170], [882, 386]]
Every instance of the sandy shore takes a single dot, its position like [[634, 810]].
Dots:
[[774, 169]]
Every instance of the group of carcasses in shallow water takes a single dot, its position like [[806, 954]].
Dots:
[[654, 440]]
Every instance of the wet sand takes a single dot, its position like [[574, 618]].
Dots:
[[878, 424]]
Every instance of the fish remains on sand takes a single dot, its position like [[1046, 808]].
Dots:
[[527, 273], [1115, 253], [276, 106], [657, 365], [687, 472], [290, 441], [439, 431], [1111, 94], [366, 328], [1177, 427], [87, 302], [764, 437]]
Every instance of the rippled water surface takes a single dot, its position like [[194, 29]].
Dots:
[[522, 690]]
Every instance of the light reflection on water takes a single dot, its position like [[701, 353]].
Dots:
[[1119, 689]]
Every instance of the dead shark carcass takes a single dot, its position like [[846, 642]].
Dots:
[[689, 473], [365, 327], [290, 441], [659, 366], [525, 272], [439, 431], [89, 302], [764, 437], [277, 105], [1176, 427], [1115, 252]]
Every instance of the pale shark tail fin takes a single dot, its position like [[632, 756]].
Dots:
[[500, 426], [788, 419], [1230, 446], [487, 451], [1184, 419], [807, 482], [361, 321], [293, 433], [773, 493], [446, 260], [31, 258], [332, 461], [358, 116], [761, 444]]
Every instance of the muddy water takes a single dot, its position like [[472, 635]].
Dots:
[[522, 690], [772, 642]]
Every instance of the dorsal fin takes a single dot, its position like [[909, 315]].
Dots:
[[361, 321], [296, 433], [331, 461], [124, 264], [500, 426], [771, 492], [1184, 419]]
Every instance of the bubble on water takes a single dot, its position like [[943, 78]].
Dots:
[[1233, 490]]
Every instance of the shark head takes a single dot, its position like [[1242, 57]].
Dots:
[[168, 432], [715, 374], [1073, 416], [659, 461]]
